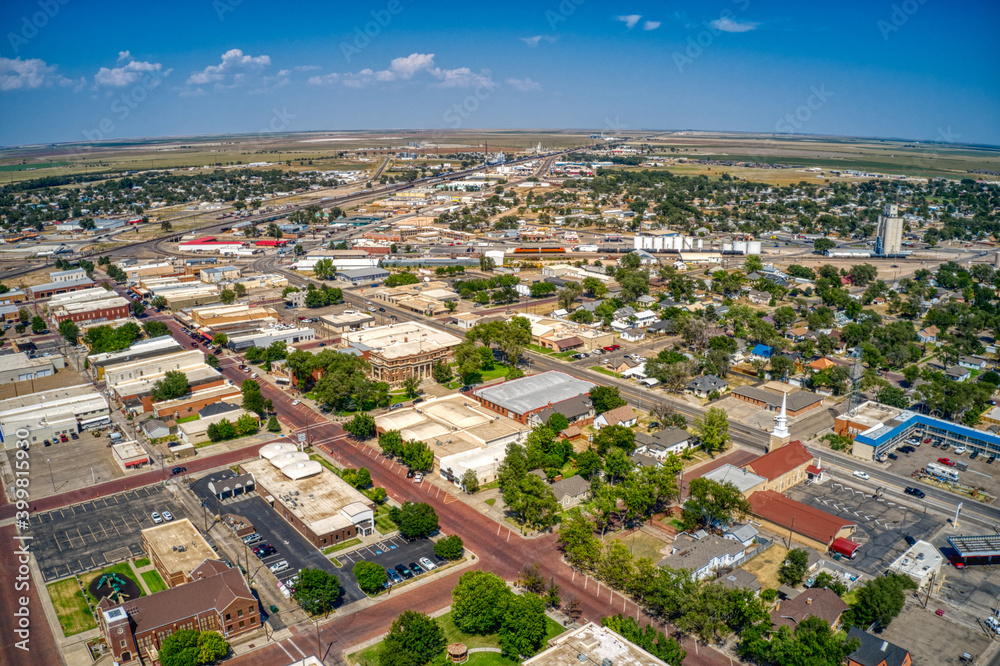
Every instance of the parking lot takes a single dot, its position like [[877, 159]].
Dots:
[[883, 523], [392, 551], [92, 535], [979, 475]]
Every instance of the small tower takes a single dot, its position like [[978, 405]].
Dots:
[[780, 436]]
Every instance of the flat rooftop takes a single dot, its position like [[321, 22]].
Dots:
[[402, 340], [742, 479], [872, 414], [168, 539], [592, 645], [535, 391], [315, 500]]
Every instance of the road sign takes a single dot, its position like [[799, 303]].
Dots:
[[302, 437]]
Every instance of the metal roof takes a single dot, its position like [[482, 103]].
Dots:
[[987, 545], [533, 392]]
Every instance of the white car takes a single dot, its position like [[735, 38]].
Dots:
[[156, 517], [960, 450], [167, 516], [296, 402], [861, 475], [418, 477], [253, 376], [427, 564]]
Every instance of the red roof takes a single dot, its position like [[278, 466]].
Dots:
[[812, 469], [802, 518], [271, 243], [206, 239], [780, 461], [844, 546]]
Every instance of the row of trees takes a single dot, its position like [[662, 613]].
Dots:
[[414, 454]]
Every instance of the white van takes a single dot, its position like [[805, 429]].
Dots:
[[278, 567]]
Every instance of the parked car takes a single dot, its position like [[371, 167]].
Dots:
[[989, 461], [415, 568], [178, 470], [410, 473], [63, 438], [167, 516], [254, 376], [417, 401], [265, 552], [418, 477], [395, 577], [861, 475], [251, 539], [73, 435], [960, 450], [156, 517], [936, 444], [403, 571], [910, 540], [945, 446], [893, 456], [974, 455], [296, 402], [279, 566], [946, 461], [427, 564]]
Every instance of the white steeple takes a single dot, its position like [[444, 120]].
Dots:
[[781, 420]]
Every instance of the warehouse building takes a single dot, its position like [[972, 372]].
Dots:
[[265, 337], [144, 350], [49, 414], [112, 308], [520, 398], [54, 288], [359, 276], [19, 367]]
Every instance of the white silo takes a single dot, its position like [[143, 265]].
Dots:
[[727, 246], [701, 244], [637, 242], [740, 247], [660, 242], [996, 260], [753, 247]]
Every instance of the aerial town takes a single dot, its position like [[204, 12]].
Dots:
[[417, 397]]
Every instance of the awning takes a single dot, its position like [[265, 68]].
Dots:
[[844, 546]]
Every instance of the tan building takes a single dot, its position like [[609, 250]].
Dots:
[[592, 645], [398, 351], [783, 467], [176, 549]]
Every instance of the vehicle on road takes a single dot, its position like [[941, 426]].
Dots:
[[916, 492], [427, 564], [861, 475], [417, 401], [296, 402], [178, 470], [167, 516], [398, 405], [156, 517]]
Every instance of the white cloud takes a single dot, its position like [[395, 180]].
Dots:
[[524, 85], [306, 68], [17, 74], [726, 24], [128, 74], [650, 25], [536, 39], [233, 69], [404, 69], [629, 20]]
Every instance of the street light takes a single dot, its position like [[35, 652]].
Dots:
[[51, 478]]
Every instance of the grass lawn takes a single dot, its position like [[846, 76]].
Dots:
[[491, 501], [325, 463], [122, 569], [153, 581], [341, 546], [142, 562], [186, 419], [566, 354], [311, 395], [540, 350], [644, 545], [71, 607], [396, 399], [382, 522], [497, 372], [603, 371], [766, 565], [369, 656]]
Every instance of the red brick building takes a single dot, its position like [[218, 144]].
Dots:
[[218, 599]]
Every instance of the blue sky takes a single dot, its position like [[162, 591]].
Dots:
[[917, 69]]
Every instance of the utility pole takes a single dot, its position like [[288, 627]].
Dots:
[[927, 597]]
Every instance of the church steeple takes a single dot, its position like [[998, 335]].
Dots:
[[780, 436]]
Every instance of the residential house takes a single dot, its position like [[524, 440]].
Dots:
[[660, 327], [155, 429], [972, 362], [744, 481], [662, 443], [821, 364], [759, 297], [571, 491], [577, 410], [928, 334], [741, 579], [797, 334], [957, 373], [818, 602], [761, 353], [875, 651], [741, 532], [633, 334], [703, 385], [705, 556], [619, 416]]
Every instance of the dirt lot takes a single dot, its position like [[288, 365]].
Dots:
[[933, 640], [765, 566]]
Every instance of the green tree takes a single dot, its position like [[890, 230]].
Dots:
[[710, 500], [156, 329], [893, 396], [220, 339], [173, 385], [532, 501], [578, 541], [449, 548], [650, 639], [478, 602], [413, 640], [470, 481], [595, 287], [880, 599], [605, 398], [411, 385], [399, 279], [821, 245], [752, 263], [522, 629], [37, 324], [713, 430], [159, 302], [793, 570], [371, 577], [180, 648], [391, 442], [211, 647], [240, 289], [418, 456], [441, 373], [137, 308], [273, 425], [362, 426], [415, 519], [323, 269], [227, 296], [69, 330], [316, 591], [253, 401]]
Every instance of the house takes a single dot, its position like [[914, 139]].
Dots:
[[759, 297], [660, 327], [743, 533], [704, 556], [818, 602], [957, 373], [638, 372], [741, 579], [625, 365], [663, 442], [821, 364], [703, 385], [972, 362], [797, 334], [155, 429], [875, 651], [928, 334], [633, 334], [619, 416], [578, 411], [571, 491], [761, 352]]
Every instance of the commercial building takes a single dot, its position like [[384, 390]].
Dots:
[[592, 644], [398, 351], [13, 297], [427, 298], [71, 275], [265, 337], [562, 335], [132, 370], [112, 308], [196, 401], [138, 272], [359, 276], [217, 600], [176, 549], [129, 455], [187, 295], [19, 367], [921, 562], [799, 401], [54, 288], [335, 325], [136, 395], [144, 350], [49, 414], [806, 524], [209, 244], [889, 232], [219, 274], [520, 398], [319, 504], [196, 432]]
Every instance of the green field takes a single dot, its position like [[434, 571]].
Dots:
[[32, 167], [341, 546], [153, 581], [369, 656], [71, 607], [142, 562]]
